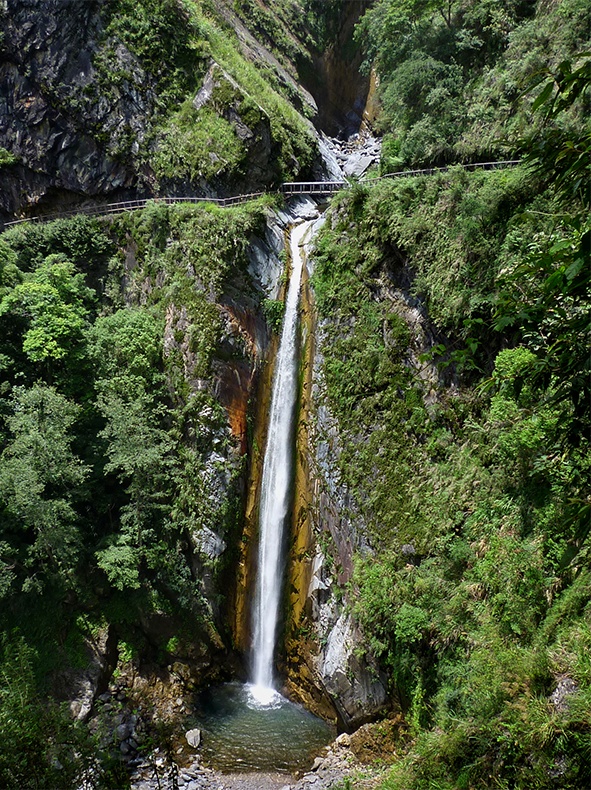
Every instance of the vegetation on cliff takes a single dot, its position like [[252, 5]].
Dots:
[[474, 432], [117, 463], [453, 72]]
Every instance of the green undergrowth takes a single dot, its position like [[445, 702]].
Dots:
[[198, 145], [472, 482], [7, 158], [166, 38], [289, 129], [116, 453], [203, 144], [456, 78], [274, 26], [159, 51]]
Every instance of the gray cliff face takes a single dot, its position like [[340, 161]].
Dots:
[[85, 116], [68, 136], [335, 659], [350, 676], [223, 441], [327, 664]]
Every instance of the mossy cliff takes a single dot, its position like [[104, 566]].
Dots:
[[440, 552], [459, 539], [112, 100]]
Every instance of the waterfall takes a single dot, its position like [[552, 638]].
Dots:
[[275, 486]]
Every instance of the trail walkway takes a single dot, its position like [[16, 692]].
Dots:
[[287, 189]]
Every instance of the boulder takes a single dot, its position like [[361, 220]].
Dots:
[[193, 738]]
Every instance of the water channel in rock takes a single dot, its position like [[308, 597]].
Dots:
[[253, 727]]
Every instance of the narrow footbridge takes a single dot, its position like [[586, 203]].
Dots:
[[290, 188], [287, 190]]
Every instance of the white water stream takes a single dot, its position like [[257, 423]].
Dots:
[[275, 487]]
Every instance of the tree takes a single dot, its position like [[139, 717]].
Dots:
[[40, 745], [546, 298], [51, 308], [39, 480], [127, 349], [559, 154]]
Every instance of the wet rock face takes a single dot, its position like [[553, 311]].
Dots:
[[329, 670], [350, 676], [69, 138], [335, 81]]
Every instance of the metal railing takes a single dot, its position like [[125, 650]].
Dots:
[[287, 189], [430, 171], [312, 187], [134, 205]]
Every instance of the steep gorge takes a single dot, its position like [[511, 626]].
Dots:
[[438, 558], [103, 102]]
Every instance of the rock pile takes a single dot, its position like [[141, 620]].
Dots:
[[327, 773], [357, 154], [118, 727], [338, 764], [158, 775]]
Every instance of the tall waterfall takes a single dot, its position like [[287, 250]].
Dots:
[[275, 487]]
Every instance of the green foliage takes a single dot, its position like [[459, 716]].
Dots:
[[295, 147], [114, 458], [273, 310], [172, 44], [270, 26], [456, 77], [559, 154], [453, 227], [422, 97], [7, 158], [40, 745], [166, 38], [81, 239], [547, 293], [198, 145], [323, 20], [127, 349], [39, 480], [51, 303], [478, 508]]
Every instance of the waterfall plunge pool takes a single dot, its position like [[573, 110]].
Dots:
[[244, 731]]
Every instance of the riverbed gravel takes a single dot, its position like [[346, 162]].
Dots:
[[328, 772]]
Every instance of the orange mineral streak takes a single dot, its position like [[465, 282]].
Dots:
[[234, 393], [300, 647], [372, 103], [240, 619], [236, 377]]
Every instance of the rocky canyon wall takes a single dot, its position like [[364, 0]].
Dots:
[[326, 663]]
